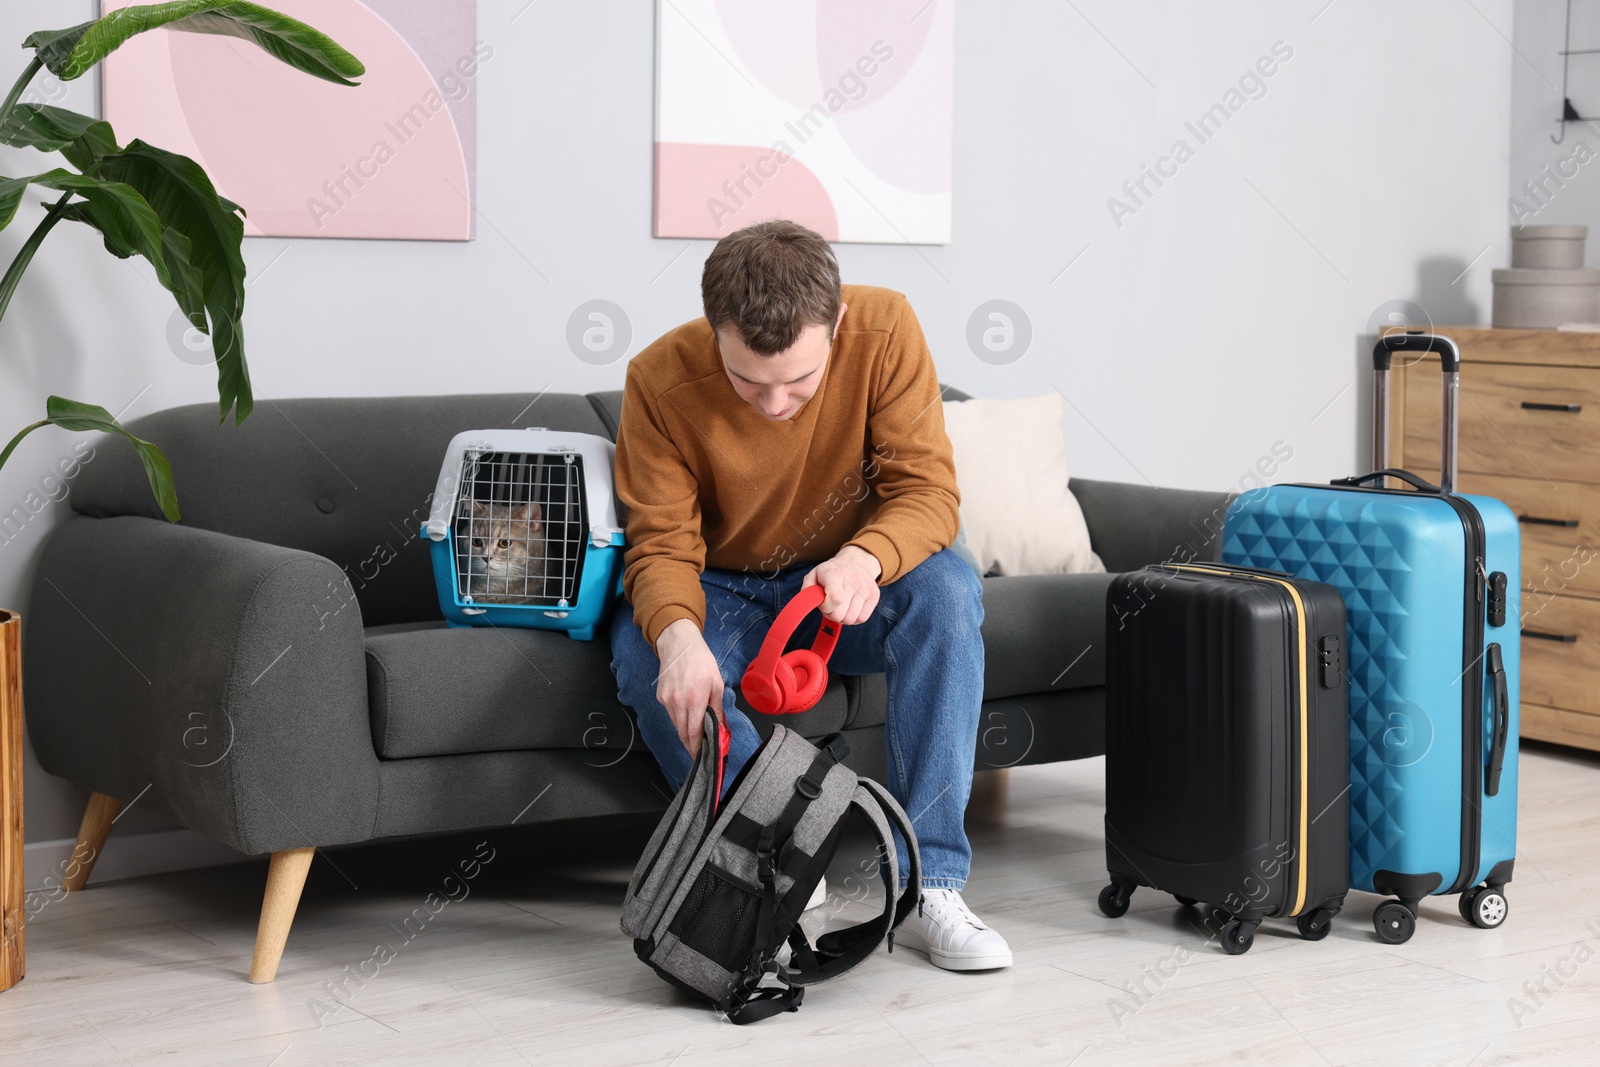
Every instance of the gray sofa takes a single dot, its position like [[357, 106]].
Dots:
[[275, 670]]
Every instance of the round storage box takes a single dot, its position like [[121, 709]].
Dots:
[[1548, 247], [1545, 299]]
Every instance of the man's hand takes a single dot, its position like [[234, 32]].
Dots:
[[849, 584], [690, 681]]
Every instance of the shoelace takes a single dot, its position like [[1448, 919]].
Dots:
[[948, 909]]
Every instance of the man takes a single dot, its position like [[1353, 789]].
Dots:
[[792, 437]]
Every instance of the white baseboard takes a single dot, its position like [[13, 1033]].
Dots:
[[131, 856]]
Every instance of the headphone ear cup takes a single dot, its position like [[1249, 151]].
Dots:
[[808, 679], [783, 677], [768, 692]]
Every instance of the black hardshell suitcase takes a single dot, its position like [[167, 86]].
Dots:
[[1227, 745]]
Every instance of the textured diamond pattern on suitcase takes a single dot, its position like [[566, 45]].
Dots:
[[1334, 539]]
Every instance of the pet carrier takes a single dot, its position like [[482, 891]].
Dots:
[[526, 530]]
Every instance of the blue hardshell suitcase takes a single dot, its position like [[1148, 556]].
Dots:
[[1431, 581]]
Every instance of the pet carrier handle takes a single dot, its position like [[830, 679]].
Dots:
[[1416, 342], [1390, 472], [1502, 721], [778, 682]]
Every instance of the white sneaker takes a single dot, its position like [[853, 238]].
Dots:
[[954, 938]]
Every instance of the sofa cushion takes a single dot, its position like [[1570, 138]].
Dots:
[[349, 479], [436, 691], [1133, 526], [1043, 632], [1017, 512]]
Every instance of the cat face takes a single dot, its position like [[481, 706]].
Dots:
[[506, 541]]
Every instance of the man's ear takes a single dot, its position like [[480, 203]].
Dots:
[[842, 309]]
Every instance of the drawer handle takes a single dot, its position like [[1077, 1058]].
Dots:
[[1536, 520], [1530, 405], [1543, 635]]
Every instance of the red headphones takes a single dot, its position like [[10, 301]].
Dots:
[[714, 724], [792, 682]]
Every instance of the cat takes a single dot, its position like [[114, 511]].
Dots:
[[506, 553]]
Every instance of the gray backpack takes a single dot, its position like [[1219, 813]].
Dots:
[[721, 886]]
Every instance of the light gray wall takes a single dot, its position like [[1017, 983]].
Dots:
[[1221, 317], [1564, 177]]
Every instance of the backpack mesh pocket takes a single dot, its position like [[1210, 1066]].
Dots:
[[718, 918]]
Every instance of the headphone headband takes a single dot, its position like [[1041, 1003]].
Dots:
[[788, 621]]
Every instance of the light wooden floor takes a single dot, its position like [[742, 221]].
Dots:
[[531, 968]]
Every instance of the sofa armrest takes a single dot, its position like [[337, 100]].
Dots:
[[216, 670], [1133, 526]]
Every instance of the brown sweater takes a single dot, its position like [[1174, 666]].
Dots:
[[708, 482]]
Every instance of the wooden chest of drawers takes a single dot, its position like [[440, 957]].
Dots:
[[1530, 435]]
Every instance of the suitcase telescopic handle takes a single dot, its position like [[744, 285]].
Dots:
[[1502, 721], [1415, 342]]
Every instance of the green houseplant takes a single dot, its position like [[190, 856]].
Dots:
[[146, 201]]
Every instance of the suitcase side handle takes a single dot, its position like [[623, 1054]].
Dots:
[[1416, 342], [1390, 472], [1502, 720]]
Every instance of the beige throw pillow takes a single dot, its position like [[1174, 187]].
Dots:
[[1011, 467]]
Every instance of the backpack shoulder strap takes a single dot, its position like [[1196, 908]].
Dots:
[[841, 950], [902, 822]]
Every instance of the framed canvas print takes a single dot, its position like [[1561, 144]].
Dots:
[[394, 157], [835, 114]]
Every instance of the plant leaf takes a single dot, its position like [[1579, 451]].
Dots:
[[184, 281], [11, 190], [118, 211], [82, 139], [185, 201], [127, 222], [73, 415], [284, 38], [129, 226], [54, 47]]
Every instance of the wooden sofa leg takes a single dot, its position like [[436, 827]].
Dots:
[[92, 833], [286, 876]]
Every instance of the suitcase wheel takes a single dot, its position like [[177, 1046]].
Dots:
[[1114, 899], [1314, 925], [1187, 902], [1394, 922], [1238, 936], [1484, 907]]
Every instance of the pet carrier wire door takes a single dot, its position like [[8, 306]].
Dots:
[[526, 530]]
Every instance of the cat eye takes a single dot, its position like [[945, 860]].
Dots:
[[504, 543], [477, 542]]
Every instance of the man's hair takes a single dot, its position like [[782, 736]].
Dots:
[[770, 281]]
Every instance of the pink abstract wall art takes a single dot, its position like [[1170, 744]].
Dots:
[[834, 113], [393, 158]]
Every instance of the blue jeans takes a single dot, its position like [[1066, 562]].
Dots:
[[923, 636]]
